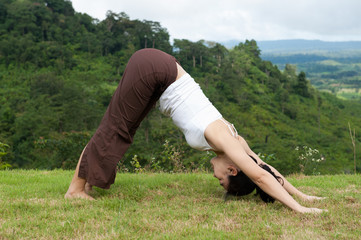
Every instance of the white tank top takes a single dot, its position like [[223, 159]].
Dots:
[[190, 110]]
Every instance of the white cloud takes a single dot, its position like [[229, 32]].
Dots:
[[240, 19]]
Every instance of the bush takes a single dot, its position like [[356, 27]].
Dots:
[[4, 151]]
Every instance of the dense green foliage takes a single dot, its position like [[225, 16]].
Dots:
[[59, 68]]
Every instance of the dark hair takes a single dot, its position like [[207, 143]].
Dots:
[[241, 185]]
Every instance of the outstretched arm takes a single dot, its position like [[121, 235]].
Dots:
[[219, 138], [287, 185]]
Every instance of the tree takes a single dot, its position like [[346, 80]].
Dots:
[[61, 6], [301, 87], [156, 36], [282, 96], [290, 72], [289, 77], [251, 48], [218, 52]]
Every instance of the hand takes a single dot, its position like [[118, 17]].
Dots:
[[312, 198]]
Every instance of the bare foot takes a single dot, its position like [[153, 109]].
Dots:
[[312, 210], [81, 194], [88, 188]]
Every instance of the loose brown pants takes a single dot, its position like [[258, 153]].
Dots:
[[147, 75]]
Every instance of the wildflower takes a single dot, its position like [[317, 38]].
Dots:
[[309, 159]]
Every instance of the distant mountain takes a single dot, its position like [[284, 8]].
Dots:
[[307, 45], [299, 45], [231, 43], [330, 66]]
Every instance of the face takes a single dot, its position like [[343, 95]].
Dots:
[[221, 171]]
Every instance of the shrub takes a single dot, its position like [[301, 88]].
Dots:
[[4, 151]]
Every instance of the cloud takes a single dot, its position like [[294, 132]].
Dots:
[[240, 19]]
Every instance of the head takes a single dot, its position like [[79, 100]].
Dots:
[[222, 169], [235, 181]]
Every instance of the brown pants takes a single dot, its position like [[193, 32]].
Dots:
[[148, 74]]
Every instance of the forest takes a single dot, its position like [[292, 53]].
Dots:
[[59, 68]]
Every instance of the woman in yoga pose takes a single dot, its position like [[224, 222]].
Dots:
[[153, 75]]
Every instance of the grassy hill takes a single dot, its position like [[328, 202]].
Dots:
[[170, 206]]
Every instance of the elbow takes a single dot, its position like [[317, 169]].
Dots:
[[261, 178], [241, 140]]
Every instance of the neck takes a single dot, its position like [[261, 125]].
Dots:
[[222, 157]]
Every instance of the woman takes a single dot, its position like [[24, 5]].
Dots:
[[151, 75]]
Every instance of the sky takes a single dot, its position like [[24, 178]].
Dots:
[[221, 21]]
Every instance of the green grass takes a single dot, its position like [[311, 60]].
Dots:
[[170, 206]]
